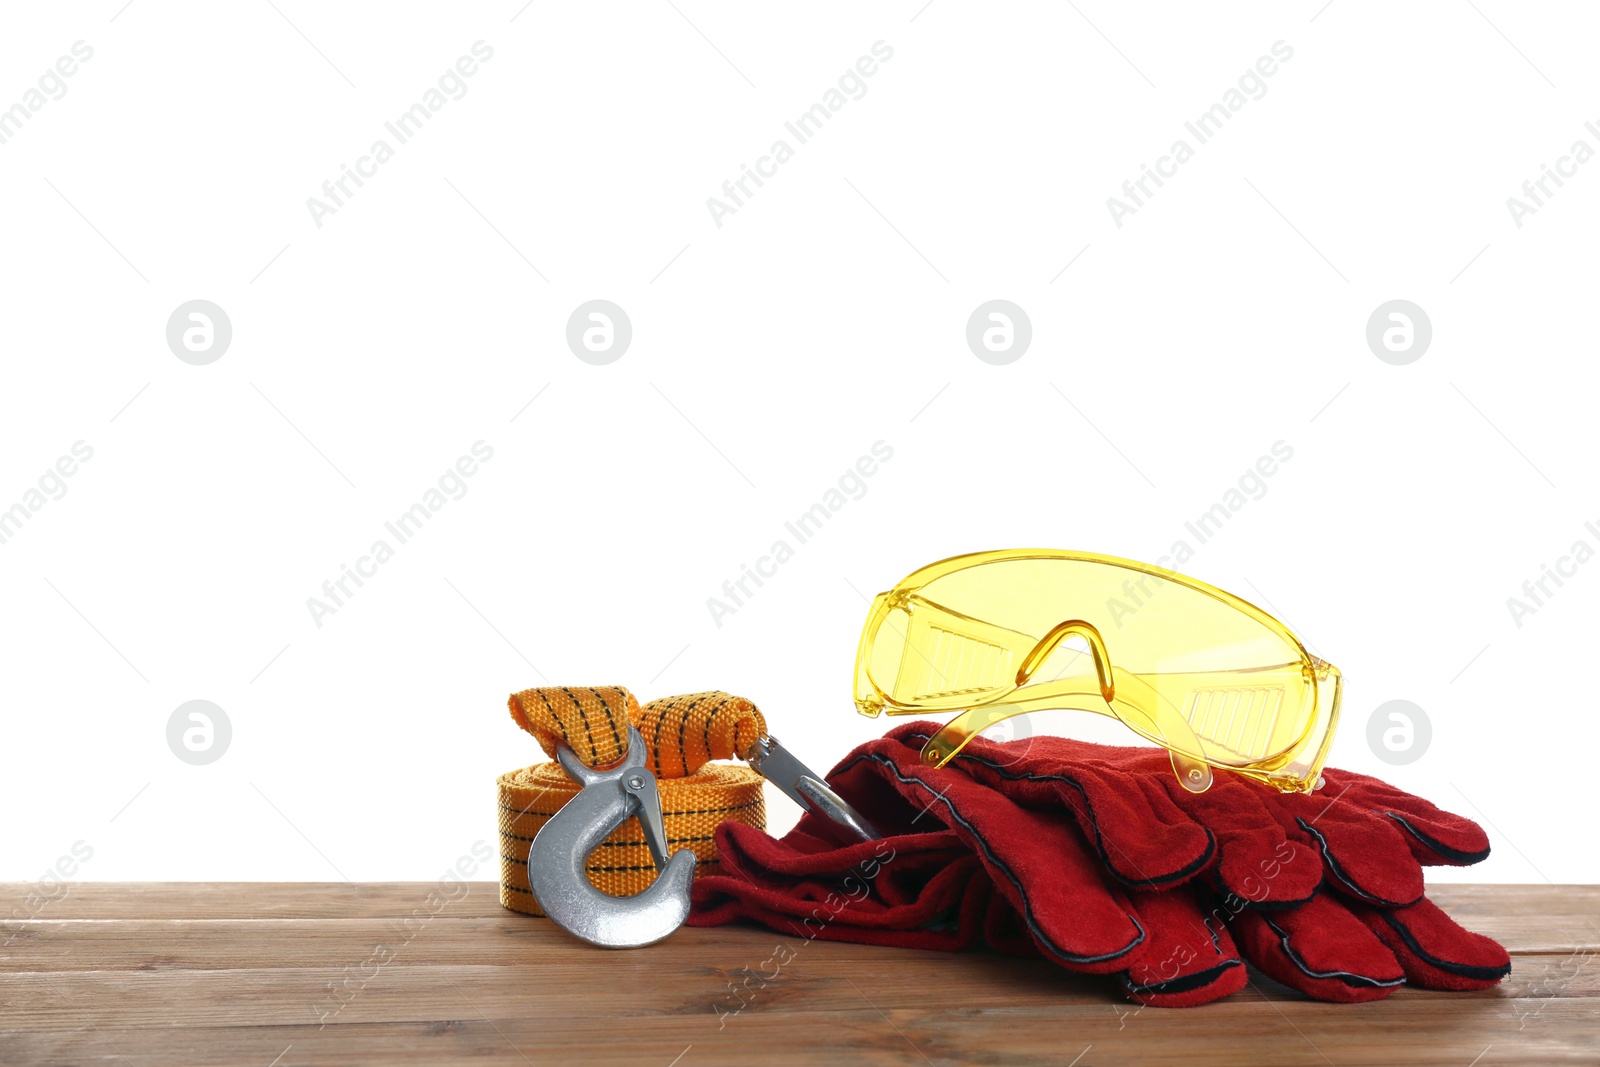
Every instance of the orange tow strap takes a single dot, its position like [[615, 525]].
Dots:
[[683, 734]]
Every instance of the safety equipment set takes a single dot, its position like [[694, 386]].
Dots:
[[1166, 866]]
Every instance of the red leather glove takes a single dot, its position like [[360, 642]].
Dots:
[[1363, 838], [923, 890], [961, 862], [1264, 855], [1372, 840]]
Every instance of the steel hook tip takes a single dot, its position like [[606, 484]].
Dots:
[[558, 858]]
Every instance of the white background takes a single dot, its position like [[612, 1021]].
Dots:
[[768, 354]]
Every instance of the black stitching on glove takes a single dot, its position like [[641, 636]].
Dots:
[[1454, 855], [1338, 872], [1027, 907], [1182, 874], [1355, 980], [1465, 970]]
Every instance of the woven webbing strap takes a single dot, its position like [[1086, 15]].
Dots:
[[683, 734]]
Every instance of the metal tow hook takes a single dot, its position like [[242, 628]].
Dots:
[[808, 789], [557, 859]]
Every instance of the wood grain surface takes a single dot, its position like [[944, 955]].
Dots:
[[285, 974]]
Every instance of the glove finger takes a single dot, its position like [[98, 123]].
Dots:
[[1258, 861], [1190, 957], [1436, 952], [1142, 837], [1435, 836], [1036, 859], [1363, 853], [1321, 949]]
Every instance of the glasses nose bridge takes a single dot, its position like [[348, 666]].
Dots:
[[1059, 633]]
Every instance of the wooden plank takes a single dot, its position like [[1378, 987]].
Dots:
[[1474, 900], [635, 985], [463, 930], [1531, 918], [503, 939], [249, 900], [289, 972], [1236, 1031]]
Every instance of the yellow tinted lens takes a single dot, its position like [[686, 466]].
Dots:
[[950, 659], [883, 647], [1192, 668]]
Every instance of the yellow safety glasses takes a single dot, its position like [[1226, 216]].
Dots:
[[1215, 680]]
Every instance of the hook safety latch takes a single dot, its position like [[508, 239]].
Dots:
[[558, 857]]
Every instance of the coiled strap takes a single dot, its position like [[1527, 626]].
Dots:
[[684, 733]]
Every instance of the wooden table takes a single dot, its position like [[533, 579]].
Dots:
[[297, 973]]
